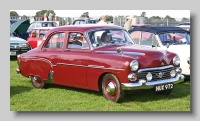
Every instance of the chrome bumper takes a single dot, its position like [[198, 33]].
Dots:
[[17, 70], [142, 84]]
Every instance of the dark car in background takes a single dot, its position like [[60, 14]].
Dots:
[[12, 21], [36, 24], [82, 21]]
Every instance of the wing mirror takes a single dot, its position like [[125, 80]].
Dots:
[[167, 45]]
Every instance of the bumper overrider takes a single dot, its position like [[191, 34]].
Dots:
[[144, 84], [18, 71]]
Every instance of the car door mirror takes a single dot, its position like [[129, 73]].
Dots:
[[167, 45]]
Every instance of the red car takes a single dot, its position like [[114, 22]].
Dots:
[[36, 36], [112, 68]]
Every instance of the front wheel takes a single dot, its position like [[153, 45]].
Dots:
[[111, 88], [36, 82]]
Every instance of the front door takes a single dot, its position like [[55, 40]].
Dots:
[[74, 61]]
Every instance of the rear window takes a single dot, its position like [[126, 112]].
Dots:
[[49, 24]]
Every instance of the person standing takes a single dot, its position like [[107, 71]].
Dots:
[[44, 17], [87, 19], [57, 21], [127, 25], [102, 20], [50, 17]]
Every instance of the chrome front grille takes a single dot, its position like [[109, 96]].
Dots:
[[155, 73], [14, 45]]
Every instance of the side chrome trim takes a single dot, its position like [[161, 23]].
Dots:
[[89, 66], [157, 68], [143, 84], [124, 53]]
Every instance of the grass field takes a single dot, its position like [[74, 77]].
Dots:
[[24, 97]]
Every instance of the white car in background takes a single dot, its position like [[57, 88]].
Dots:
[[185, 25], [173, 39]]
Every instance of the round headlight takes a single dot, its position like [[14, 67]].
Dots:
[[176, 60], [173, 73], [149, 76], [134, 65]]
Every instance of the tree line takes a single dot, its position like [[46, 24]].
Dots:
[[155, 20]]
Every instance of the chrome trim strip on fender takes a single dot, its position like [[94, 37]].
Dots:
[[143, 84], [157, 68], [125, 53], [89, 66]]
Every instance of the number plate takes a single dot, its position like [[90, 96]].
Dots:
[[12, 53], [163, 87]]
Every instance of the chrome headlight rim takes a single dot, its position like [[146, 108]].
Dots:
[[176, 60], [134, 65], [22, 44]]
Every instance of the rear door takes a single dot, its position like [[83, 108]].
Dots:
[[49, 57]]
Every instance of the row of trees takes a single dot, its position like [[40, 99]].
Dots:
[[156, 20]]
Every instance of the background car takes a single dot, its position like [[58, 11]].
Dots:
[[36, 36], [36, 24], [113, 68], [82, 21], [185, 25], [173, 39], [19, 28], [18, 46], [12, 21]]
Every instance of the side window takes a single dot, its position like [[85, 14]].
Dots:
[[136, 36], [146, 38], [42, 33], [56, 41], [76, 23], [38, 25], [77, 41], [82, 22]]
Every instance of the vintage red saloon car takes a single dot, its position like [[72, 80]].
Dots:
[[36, 36], [113, 68]]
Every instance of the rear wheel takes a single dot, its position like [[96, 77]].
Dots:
[[111, 88], [36, 82]]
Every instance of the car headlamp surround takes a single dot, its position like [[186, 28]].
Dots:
[[134, 65], [176, 60]]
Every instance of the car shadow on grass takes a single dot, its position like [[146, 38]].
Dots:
[[13, 58], [180, 90], [96, 93], [18, 90]]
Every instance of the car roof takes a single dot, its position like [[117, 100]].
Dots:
[[44, 22], [184, 23], [157, 29], [83, 27], [44, 28], [13, 20]]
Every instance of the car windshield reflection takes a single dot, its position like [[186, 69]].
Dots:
[[106, 37], [175, 38]]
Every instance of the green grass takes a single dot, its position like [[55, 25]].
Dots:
[[24, 97]]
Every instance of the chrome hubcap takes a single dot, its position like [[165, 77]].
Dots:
[[110, 88]]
